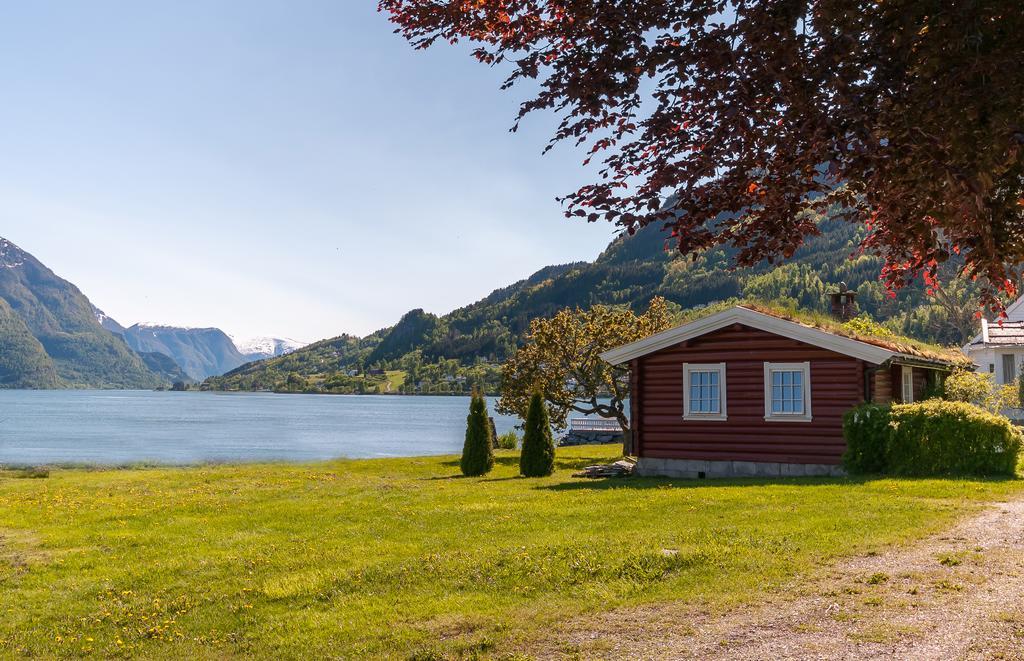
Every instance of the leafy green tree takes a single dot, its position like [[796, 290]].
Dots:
[[478, 450], [947, 314], [538, 456], [561, 361]]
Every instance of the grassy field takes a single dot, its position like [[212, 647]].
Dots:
[[395, 380], [401, 557]]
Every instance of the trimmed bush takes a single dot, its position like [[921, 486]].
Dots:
[[951, 438], [508, 441], [866, 429], [478, 450], [538, 455], [935, 437]]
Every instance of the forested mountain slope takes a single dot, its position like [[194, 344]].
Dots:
[[60, 318], [24, 362], [464, 346]]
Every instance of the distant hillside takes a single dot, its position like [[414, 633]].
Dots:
[[453, 351], [77, 349], [201, 352], [164, 366], [413, 330]]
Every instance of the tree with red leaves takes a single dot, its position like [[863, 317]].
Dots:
[[739, 122]]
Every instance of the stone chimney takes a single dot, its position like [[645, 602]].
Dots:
[[844, 303]]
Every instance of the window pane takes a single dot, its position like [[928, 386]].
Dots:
[[787, 392], [705, 391]]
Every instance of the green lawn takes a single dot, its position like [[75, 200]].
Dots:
[[395, 379], [400, 557]]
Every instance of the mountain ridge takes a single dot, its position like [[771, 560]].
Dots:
[[434, 350], [81, 352]]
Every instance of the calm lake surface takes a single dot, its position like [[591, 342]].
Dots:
[[117, 427]]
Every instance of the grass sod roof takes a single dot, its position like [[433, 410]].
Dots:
[[862, 328]]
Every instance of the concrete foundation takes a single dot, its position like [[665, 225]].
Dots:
[[695, 469]]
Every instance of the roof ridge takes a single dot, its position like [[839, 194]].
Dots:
[[847, 340]]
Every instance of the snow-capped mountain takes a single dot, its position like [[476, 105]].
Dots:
[[259, 348], [202, 352], [107, 321], [11, 256]]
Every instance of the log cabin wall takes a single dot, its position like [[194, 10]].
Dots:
[[837, 383], [882, 387]]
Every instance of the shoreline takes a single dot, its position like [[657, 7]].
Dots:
[[246, 392]]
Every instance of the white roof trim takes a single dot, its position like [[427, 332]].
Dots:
[[741, 315]]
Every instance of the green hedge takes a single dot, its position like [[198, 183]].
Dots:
[[934, 437], [866, 429]]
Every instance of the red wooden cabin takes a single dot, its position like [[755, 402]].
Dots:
[[745, 392]]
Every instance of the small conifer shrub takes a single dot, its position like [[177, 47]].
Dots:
[[478, 450], [538, 455]]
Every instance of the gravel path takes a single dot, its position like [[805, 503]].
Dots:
[[955, 596]]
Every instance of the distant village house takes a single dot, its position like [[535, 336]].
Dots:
[[999, 347]]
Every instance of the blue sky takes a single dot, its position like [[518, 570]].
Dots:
[[286, 168]]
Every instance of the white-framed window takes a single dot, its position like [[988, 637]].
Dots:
[[1009, 368], [907, 377], [787, 392], [704, 391]]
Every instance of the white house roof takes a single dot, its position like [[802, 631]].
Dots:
[[1009, 333], [865, 351], [1006, 334]]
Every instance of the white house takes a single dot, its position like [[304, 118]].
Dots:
[[999, 348]]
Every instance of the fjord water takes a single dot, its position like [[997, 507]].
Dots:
[[119, 427]]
